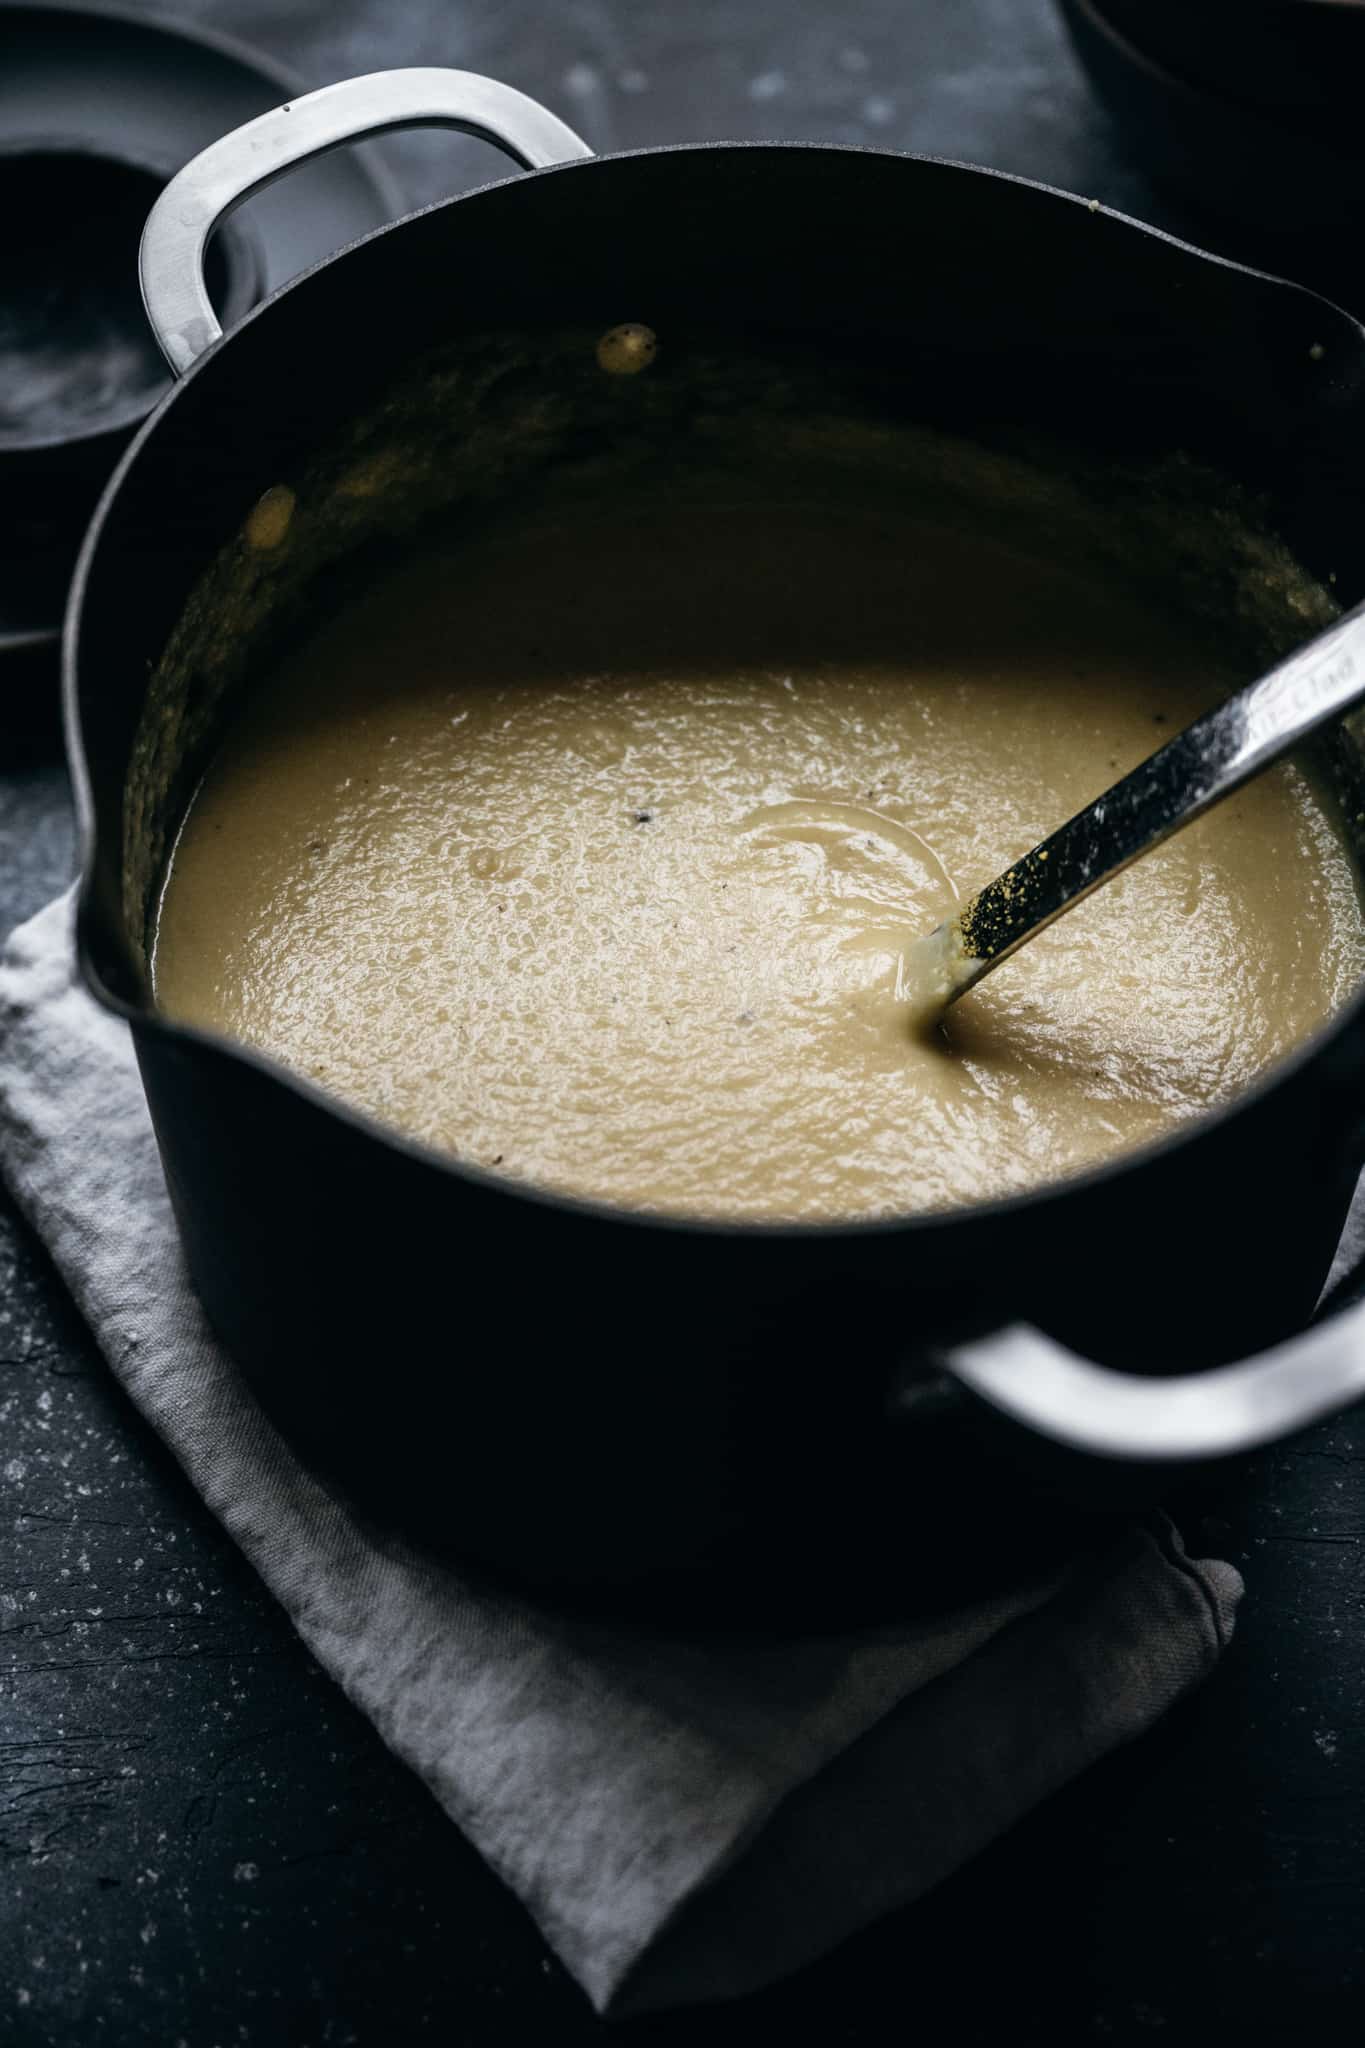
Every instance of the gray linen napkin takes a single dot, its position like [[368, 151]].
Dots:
[[685, 1819]]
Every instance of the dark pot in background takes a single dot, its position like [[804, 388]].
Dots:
[[1247, 109], [597, 1400]]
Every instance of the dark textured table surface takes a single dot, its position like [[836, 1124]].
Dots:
[[200, 1842]]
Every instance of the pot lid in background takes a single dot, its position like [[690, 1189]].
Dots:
[[97, 109]]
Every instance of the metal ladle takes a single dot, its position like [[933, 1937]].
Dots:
[[1188, 776]]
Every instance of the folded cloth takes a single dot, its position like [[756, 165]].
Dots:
[[686, 1818]]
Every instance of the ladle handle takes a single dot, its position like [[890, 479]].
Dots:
[[1191, 1416], [171, 260]]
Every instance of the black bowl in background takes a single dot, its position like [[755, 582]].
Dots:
[[79, 368], [98, 108], [77, 358]]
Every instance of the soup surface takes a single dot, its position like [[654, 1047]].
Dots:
[[587, 846]]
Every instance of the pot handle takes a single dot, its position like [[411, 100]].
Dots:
[[171, 259], [1039, 1383]]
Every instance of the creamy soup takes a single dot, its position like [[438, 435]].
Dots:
[[587, 848]]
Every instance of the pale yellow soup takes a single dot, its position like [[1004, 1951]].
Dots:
[[587, 847]]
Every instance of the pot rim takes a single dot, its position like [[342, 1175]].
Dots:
[[999, 1210]]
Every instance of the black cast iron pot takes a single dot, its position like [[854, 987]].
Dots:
[[604, 1400]]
